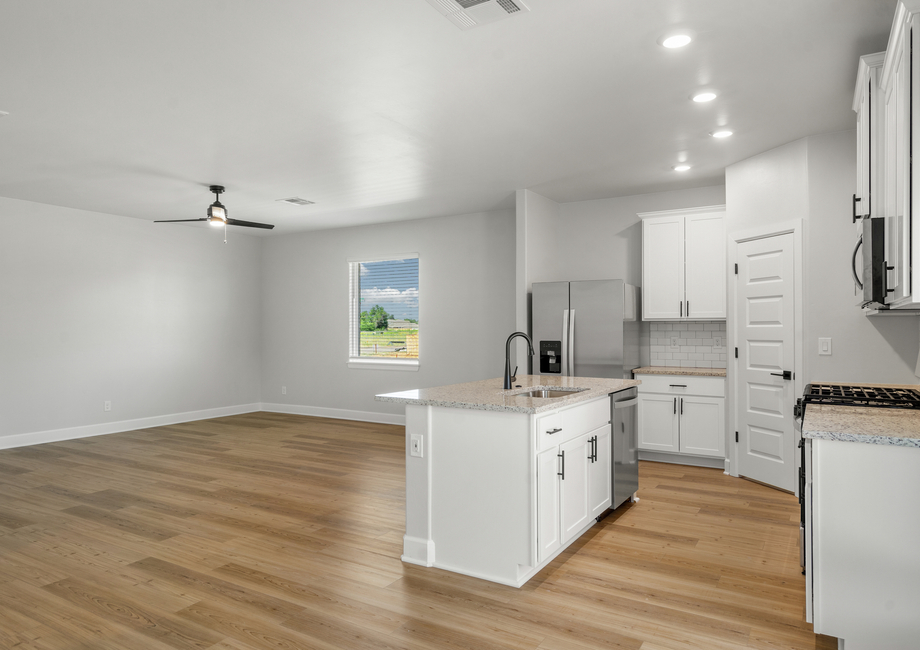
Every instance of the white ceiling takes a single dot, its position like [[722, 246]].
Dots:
[[381, 110]]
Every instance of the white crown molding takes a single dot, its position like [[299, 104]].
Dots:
[[682, 211]]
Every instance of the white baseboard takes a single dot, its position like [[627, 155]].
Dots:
[[338, 414], [681, 459], [72, 433]]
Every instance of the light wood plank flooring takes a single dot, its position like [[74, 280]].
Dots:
[[275, 531]]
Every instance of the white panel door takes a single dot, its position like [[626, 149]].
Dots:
[[573, 486], [663, 268], [702, 426], [548, 528], [658, 424], [600, 476], [704, 251], [765, 316]]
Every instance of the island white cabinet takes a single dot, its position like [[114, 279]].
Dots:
[[573, 472], [488, 493], [682, 415], [683, 264]]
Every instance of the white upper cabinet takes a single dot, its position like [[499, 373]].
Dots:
[[683, 264], [894, 179], [869, 104]]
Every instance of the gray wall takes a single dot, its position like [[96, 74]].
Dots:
[[814, 179], [466, 310], [158, 319]]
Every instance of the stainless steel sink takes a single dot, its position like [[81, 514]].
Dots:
[[551, 392]]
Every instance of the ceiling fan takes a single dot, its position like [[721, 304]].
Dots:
[[217, 214]]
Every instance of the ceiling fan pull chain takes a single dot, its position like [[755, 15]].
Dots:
[[225, 233]]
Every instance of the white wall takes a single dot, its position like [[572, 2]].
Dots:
[[602, 239], [158, 319], [466, 310], [813, 179]]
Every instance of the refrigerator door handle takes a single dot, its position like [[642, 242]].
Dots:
[[565, 342], [571, 350]]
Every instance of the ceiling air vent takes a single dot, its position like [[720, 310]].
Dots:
[[296, 200], [467, 14]]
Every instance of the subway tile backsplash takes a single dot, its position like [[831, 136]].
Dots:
[[689, 344]]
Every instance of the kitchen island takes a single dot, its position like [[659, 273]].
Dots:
[[499, 482], [862, 481]]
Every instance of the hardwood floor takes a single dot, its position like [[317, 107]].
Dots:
[[276, 531]]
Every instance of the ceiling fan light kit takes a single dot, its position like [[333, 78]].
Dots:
[[217, 215]]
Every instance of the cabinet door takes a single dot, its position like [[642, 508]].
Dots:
[[548, 527], [599, 473], [702, 426], [897, 167], [573, 486], [658, 422], [663, 268], [704, 246]]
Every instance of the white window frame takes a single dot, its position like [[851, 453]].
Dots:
[[354, 318]]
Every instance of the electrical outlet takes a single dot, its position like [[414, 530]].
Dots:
[[416, 446], [107, 406], [284, 390], [717, 341], [674, 344]]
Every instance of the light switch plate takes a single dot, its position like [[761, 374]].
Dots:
[[824, 347]]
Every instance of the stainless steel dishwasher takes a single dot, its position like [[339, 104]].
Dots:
[[624, 444]]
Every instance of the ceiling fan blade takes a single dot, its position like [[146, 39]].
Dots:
[[249, 224], [181, 220]]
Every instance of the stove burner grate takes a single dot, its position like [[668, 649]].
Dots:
[[875, 396]]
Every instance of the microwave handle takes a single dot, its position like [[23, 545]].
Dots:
[[855, 251]]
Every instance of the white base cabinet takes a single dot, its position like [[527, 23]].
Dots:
[[863, 569], [498, 495], [682, 414]]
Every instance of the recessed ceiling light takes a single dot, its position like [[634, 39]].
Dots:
[[722, 133], [675, 41], [704, 97], [681, 167], [296, 200]]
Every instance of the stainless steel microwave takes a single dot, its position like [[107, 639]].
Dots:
[[875, 268]]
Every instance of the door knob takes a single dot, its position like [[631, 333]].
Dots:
[[785, 374]]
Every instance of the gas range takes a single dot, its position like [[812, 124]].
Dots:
[[856, 395]]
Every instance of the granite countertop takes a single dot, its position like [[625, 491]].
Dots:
[[684, 372], [488, 395], [879, 426]]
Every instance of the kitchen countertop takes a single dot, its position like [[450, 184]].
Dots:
[[488, 395], [879, 426], [671, 370]]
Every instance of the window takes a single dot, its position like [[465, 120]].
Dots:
[[383, 320]]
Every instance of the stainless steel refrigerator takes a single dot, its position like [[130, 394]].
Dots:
[[585, 329], [591, 329]]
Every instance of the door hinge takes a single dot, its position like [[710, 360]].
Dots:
[[736, 353], [736, 436], [736, 269]]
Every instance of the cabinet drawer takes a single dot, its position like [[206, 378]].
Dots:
[[549, 430], [682, 385], [561, 426]]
